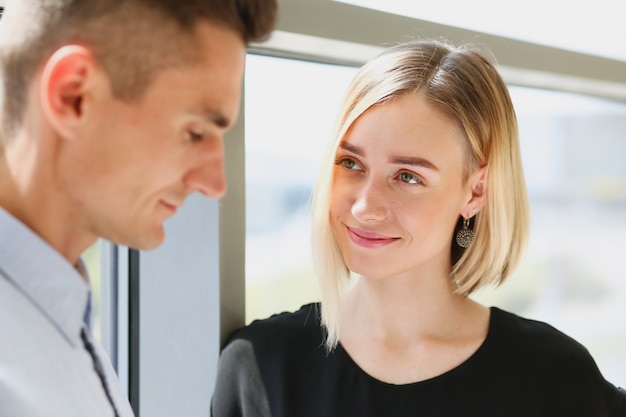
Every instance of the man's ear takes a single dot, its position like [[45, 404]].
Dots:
[[65, 83], [477, 182]]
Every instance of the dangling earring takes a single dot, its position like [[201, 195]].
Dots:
[[465, 236]]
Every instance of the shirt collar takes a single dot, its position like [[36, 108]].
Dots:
[[45, 277]]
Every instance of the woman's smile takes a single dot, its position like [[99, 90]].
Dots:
[[369, 240]]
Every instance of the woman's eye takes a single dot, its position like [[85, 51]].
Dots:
[[409, 178], [348, 163]]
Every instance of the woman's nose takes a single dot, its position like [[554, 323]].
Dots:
[[371, 203]]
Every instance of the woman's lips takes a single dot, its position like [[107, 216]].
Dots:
[[369, 239]]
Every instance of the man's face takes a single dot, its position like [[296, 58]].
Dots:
[[135, 163]]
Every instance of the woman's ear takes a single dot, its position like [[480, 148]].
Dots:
[[477, 182], [65, 82]]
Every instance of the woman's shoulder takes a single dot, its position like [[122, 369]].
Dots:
[[534, 343], [531, 333], [276, 346], [545, 357], [258, 357], [287, 327]]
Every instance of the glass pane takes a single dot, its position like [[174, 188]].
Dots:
[[574, 153], [290, 110]]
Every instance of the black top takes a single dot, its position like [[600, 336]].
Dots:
[[523, 368]]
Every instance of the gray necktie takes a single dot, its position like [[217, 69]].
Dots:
[[97, 366]]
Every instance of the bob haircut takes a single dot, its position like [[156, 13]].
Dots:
[[463, 83], [131, 39]]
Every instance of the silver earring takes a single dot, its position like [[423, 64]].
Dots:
[[465, 236]]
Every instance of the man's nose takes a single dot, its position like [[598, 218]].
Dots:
[[208, 176]]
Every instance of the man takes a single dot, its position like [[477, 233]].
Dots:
[[112, 113]]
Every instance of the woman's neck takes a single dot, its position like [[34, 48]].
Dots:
[[407, 330], [389, 306]]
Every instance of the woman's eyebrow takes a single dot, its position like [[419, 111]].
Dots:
[[351, 148], [413, 161], [396, 160]]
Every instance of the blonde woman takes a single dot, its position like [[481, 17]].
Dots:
[[421, 202]]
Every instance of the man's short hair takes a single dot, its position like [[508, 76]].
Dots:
[[131, 39]]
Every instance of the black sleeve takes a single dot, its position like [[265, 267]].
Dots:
[[239, 389]]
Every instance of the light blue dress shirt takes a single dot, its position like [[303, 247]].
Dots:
[[45, 369]]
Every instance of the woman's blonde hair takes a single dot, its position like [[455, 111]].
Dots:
[[462, 82]]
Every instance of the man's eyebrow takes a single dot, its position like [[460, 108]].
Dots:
[[397, 160], [216, 118]]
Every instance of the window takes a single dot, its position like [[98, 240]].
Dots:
[[290, 110], [574, 154]]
